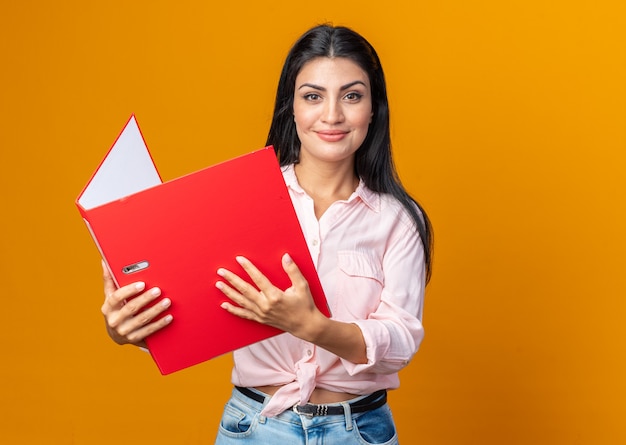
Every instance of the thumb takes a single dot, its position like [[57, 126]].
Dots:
[[109, 284], [293, 271]]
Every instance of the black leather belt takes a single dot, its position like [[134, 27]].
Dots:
[[371, 402]]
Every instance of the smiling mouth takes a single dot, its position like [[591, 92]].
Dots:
[[332, 135]]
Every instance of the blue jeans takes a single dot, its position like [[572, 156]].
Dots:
[[242, 423]]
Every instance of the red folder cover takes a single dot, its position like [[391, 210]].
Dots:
[[176, 234]]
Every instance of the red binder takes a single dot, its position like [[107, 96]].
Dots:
[[176, 234]]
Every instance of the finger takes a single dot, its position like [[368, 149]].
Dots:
[[116, 299], [294, 273], [239, 311], [129, 323], [138, 303], [236, 296], [120, 317], [142, 332], [109, 284], [255, 274], [236, 281]]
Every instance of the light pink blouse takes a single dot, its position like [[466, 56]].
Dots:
[[370, 261]]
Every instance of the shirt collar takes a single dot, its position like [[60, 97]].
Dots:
[[370, 198]]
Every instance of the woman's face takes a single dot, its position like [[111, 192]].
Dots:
[[332, 109]]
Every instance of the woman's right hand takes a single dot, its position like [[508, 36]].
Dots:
[[127, 318]]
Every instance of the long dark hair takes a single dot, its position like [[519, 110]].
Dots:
[[373, 160]]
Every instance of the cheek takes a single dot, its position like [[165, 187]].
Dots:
[[363, 116], [300, 118], [364, 126], [299, 124], [362, 122], [365, 123]]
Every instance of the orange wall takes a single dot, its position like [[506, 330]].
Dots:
[[508, 124]]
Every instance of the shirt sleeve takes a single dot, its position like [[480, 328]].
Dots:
[[394, 331]]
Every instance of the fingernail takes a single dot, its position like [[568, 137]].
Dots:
[[166, 302], [140, 285], [221, 272], [240, 259], [156, 291], [287, 259], [168, 318]]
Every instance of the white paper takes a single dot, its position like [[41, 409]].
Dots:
[[127, 169]]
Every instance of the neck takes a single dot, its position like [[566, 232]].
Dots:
[[326, 183], [327, 179]]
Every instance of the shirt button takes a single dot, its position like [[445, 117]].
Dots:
[[309, 352], [315, 242]]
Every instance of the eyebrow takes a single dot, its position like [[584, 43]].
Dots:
[[344, 87]]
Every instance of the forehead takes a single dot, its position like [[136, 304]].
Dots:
[[331, 70]]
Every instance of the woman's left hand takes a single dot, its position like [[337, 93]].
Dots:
[[291, 310]]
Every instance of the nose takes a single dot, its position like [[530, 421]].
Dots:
[[332, 113]]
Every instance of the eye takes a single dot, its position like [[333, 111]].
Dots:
[[353, 96], [312, 97]]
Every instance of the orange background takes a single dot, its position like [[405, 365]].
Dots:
[[508, 124]]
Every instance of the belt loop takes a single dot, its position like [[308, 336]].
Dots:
[[262, 418], [347, 412]]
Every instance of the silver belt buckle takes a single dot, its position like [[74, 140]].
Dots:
[[320, 410], [297, 411]]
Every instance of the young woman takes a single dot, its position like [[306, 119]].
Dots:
[[325, 378]]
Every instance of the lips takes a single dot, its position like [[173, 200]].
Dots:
[[331, 135]]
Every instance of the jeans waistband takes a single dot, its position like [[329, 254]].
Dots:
[[369, 403]]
